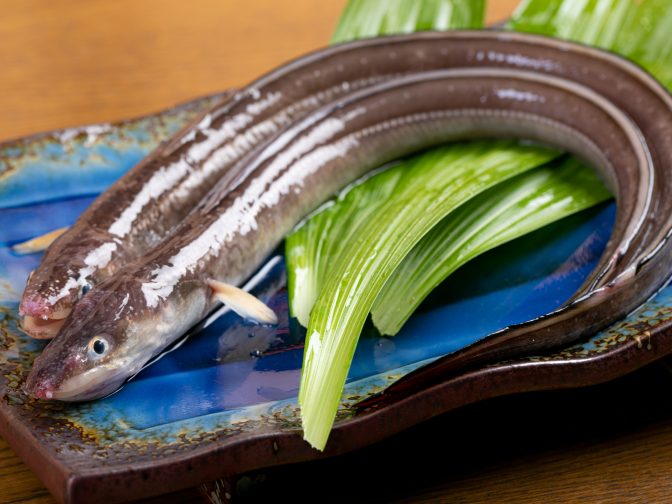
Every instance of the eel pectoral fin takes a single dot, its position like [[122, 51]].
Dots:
[[243, 303], [39, 243]]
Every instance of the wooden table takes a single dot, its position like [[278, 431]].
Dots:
[[74, 62]]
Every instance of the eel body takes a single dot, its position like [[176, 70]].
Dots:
[[143, 207], [448, 86]]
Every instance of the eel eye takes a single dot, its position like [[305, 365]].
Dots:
[[84, 289], [97, 347]]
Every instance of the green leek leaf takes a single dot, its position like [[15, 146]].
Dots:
[[505, 212], [431, 185], [371, 18], [637, 29], [315, 246]]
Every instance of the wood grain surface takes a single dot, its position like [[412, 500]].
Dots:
[[74, 62]]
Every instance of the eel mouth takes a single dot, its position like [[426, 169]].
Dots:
[[91, 384], [44, 328]]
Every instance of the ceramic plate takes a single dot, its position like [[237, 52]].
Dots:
[[224, 402]]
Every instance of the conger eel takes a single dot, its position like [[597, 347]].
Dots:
[[463, 84], [144, 206]]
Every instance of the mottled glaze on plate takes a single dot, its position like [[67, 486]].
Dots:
[[224, 402]]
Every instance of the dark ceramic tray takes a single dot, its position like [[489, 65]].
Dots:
[[224, 403]]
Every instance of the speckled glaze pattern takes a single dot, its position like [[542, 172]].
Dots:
[[63, 161], [86, 452]]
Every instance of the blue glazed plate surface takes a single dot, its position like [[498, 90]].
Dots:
[[233, 377]]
